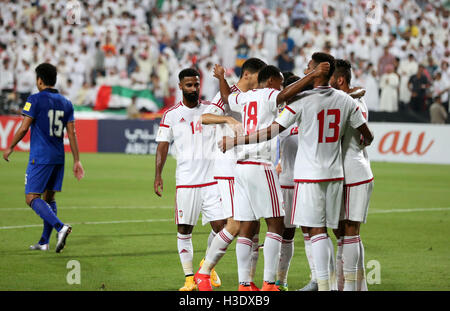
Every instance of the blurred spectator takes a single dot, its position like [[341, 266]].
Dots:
[[389, 96], [441, 89], [284, 59], [418, 85], [372, 96], [26, 81], [406, 69], [6, 85], [438, 114], [132, 110], [99, 62], [385, 60], [242, 53]]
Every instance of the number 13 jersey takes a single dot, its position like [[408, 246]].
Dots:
[[322, 116]]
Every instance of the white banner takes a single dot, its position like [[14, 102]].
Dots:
[[410, 142]]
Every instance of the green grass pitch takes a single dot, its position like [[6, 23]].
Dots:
[[124, 236]]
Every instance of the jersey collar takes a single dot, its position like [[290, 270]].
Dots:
[[51, 90]]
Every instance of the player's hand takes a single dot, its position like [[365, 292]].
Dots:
[[321, 69], [278, 168], [236, 126], [219, 71], [6, 154], [78, 170], [357, 92], [226, 144], [157, 185]]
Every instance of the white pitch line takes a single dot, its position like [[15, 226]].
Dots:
[[409, 210]]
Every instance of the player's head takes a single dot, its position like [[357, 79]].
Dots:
[[271, 77], [291, 79], [250, 70], [318, 58], [342, 74], [189, 84], [45, 76]]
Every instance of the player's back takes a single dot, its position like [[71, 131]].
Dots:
[[355, 157], [50, 112], [323, 115], [258, 109], [288, 150]]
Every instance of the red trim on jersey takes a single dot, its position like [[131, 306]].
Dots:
[[274, 200], [252, 163], [223, 177], [294, 203], [359, 183], [218, 105], [176, 208], [164, 125], [357, 108], [287, 187], [231, 186], [318, 180], [197, 186], [323, 87], [271, 94], [237, 97], [290, 110], [170, 109]]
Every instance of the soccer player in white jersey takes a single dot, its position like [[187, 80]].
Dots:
[[258, 192], [227, 122], [358, 185], [322, 115], [196, 189]]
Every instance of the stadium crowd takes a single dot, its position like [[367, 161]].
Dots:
[[399, 49]]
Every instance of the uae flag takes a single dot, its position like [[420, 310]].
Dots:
[[116, 97]]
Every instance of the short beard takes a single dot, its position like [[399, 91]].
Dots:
[[191, 97]]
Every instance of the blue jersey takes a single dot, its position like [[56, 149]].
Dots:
[[50, 112]]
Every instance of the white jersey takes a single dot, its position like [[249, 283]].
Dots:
[[224, 162], [288, 150], [193, 143], [258, 109], [322, 116], [356, 160]]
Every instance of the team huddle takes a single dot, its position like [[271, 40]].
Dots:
[[225, 154]]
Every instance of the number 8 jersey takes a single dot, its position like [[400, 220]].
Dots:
[[322, 116], [50, 112], [258, 109]]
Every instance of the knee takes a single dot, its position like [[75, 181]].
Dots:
[[233, 227], [289, 233]]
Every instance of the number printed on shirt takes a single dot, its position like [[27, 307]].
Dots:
[[333, 118], [198, 127], [56, 124], [251, 117]]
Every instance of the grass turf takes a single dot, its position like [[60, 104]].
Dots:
[[124, 236]]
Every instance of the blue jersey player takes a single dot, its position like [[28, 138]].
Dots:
[[47, 113]]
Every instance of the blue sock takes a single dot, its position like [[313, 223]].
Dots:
[[46, 233], [45, 212]]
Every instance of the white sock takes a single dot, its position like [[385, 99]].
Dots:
[[320, 250], [361, 274], [287, 251], [350, 256], [308, 252], [186, 252], [272, 247], [244, 256], [211, 237], [254, 256], [332, 266], [216, 250], [339, 267]]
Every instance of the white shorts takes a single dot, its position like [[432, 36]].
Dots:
[[258, 192], [355, 203], [191, 200], [288, 197], [317, 204], [226, 190]]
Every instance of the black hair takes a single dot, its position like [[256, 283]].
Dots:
[[287, 75], [289, 80], [343, 68], [252, 65], [268, 72], [188, 72], [47, 72], [320, 57]]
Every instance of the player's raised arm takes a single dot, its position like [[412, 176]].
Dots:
[[21, 132], [78, 170], [256, 137], [296, 87], [161, 156], [225, 90]]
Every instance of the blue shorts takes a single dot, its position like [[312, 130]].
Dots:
[[41, 177]]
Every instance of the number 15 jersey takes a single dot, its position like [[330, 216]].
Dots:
[[50, 112], [322, 115]]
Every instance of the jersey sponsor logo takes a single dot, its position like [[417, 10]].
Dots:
[[182, 120], [391, 143], [27, 106]]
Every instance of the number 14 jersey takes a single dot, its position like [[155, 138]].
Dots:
[[322, 116]]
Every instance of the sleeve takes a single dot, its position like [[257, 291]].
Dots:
[[30, 108], [356, 115], [272, 95], [289, 115], [165, 133], [237, 100], [216, 107], [70, 117]]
